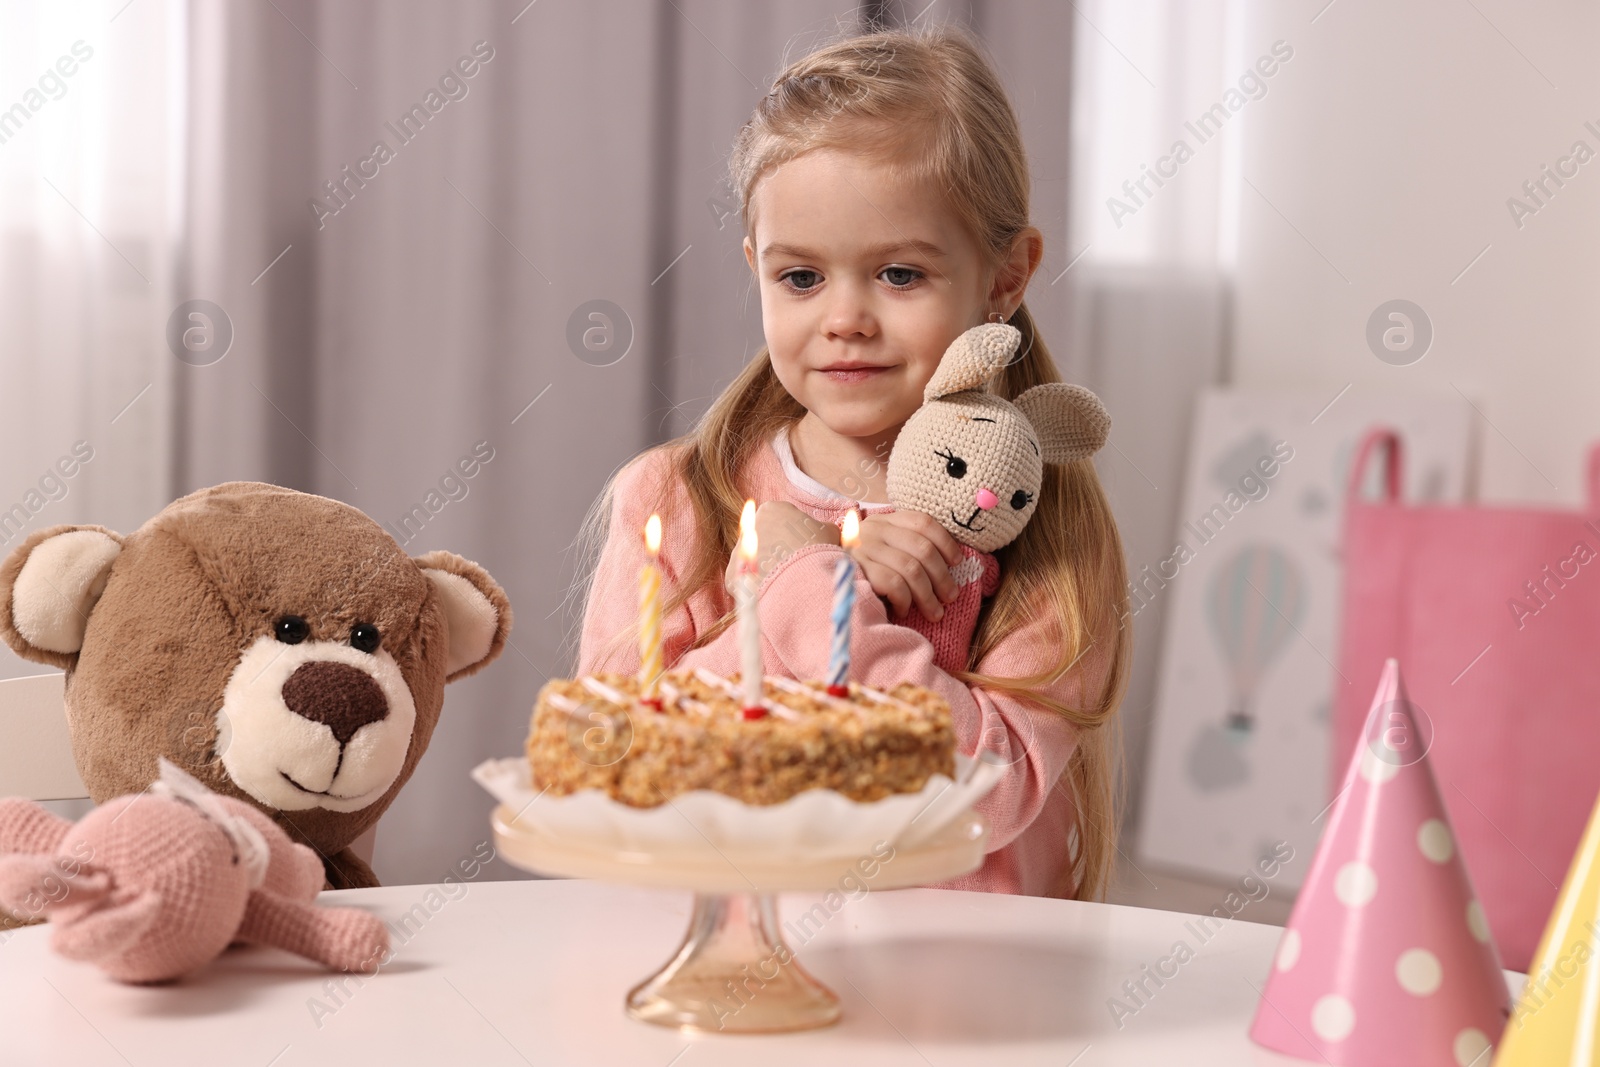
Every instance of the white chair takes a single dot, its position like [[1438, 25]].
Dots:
[[35, 748]]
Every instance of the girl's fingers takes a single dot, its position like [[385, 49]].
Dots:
[[913, 573], [888, 584], [928, 558], [928, 527]]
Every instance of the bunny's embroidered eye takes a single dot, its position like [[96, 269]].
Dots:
[[954, 465], [1020, 498]]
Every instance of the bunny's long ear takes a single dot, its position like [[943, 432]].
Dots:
[[1071, 421], [972, 359]]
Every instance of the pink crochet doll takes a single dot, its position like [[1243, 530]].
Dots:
[[976, 462], [153, 885]]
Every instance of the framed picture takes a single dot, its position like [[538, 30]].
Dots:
[[1240, 739]]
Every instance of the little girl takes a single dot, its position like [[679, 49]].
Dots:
[[884, 194]]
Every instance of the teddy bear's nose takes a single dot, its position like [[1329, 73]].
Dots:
[[986, 499], [337, 695]]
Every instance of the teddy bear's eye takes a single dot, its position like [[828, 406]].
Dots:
[[954, 465], [365, 637], [1020, 498], [291, 629]]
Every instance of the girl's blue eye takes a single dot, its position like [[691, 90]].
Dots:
[[913, 276]]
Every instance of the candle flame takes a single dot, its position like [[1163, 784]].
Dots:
[[851, 534], [747, 531], [652, 534]]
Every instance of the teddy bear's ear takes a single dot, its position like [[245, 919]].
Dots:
[[476, 611], [48, 586], [972, 359], [1071, 421]]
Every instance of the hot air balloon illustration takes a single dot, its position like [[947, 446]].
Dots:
[[1254, 604]]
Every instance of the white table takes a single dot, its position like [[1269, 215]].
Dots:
[[512, 973]]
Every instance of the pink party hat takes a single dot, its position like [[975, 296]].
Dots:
[[1387, 958]]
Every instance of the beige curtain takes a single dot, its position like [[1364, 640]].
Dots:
[[91, 127]]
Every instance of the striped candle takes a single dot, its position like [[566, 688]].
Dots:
[[844, 599], [650, 614]]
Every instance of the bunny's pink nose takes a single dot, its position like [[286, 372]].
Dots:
[[986, 499]]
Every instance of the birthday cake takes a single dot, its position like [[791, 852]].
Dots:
[[596, 732]]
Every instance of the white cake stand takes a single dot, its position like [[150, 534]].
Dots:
[[733, 972]]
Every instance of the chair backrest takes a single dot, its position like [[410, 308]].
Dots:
[[35, 748]]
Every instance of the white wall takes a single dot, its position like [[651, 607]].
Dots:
[[1392, 141], [1376, 165]]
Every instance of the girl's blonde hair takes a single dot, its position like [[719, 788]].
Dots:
[[927, 103]]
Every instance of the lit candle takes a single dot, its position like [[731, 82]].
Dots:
[[844, 599], [650, 615], [749, 623]]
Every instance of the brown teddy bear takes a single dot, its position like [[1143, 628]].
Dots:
[[278, 646]]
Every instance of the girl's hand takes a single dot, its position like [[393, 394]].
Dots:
[[907, 557], [781, 529]]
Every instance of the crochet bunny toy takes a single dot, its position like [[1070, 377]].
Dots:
[[152, 886], [976, 462]]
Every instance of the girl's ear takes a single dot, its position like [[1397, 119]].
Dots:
[[48, 586], [972, 359], [476, 611], [1071, 421]]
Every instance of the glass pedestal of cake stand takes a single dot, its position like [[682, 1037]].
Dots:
[[733, 973]]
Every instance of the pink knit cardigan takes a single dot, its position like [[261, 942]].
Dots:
[[1030, 815]]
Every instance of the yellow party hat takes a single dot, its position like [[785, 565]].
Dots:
[[1556, 1021]]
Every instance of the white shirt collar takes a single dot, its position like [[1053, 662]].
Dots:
[[809, 485]]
